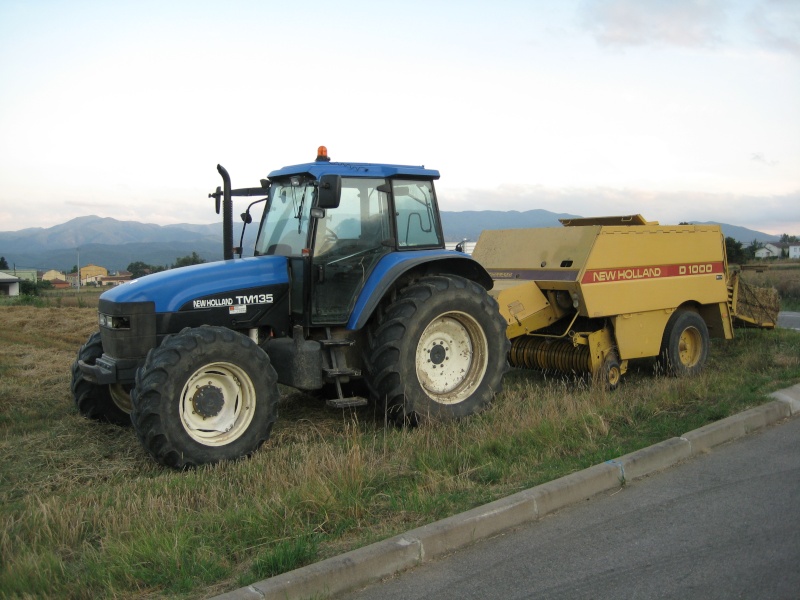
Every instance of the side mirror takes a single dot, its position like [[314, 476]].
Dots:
[[330, 191]]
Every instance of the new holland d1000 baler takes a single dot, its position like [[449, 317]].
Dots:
[[598, 292]]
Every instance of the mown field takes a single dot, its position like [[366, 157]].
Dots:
[[86, 513]]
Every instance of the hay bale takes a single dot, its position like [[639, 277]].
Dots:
[[756, 306]]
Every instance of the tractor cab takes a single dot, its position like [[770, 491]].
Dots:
[[334, 222]]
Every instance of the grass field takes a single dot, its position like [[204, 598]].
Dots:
[[86, 513]]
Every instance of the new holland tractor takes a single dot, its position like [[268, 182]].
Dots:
[[350, 292]]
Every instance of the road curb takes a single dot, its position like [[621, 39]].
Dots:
[[790, 396], [372, 563]]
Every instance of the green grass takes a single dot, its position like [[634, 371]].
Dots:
[[85, 513], [790, 304]]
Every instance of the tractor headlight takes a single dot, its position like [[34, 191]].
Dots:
[[114, 322]]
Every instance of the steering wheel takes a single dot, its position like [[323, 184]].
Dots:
[[329, 240]]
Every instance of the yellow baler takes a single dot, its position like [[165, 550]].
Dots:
[[598, 292]]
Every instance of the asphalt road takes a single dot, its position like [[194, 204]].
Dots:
[[724, 525], [789, 320]]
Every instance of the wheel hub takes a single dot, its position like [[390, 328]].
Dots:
[[438, 353], [689, 347], [208, 401], [121, 395]]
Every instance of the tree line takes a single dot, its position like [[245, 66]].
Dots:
[[738, 253], [140, 269]]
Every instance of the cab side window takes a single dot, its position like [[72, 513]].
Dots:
[[415, 214]]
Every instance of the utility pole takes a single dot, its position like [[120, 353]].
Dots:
[[79, 268]]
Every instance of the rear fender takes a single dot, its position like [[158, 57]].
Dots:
[[425, 262]]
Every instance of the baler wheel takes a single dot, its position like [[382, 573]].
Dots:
[[99, 402], [684, 348], [612, 373], [205, 395], [438, 351]]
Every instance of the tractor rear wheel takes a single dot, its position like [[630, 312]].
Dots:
[[438, 351], [684, 348], [111, 403], [205, 395]]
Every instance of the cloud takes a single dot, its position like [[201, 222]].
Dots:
[[688, 23], [760, 158], [776, 25]]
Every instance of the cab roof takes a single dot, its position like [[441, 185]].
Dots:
[[318, 168]]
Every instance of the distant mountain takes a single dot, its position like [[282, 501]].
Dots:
[[469, 224], [741, 234], [115, 244], [83, 231]]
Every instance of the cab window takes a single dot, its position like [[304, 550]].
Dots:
[[415, 213]]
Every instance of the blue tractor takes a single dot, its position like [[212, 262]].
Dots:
[[350, 292]]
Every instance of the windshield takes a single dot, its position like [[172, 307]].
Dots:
[[284, 228]]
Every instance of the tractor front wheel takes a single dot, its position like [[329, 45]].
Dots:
[[111, 403], [438, 351], [204, 395]]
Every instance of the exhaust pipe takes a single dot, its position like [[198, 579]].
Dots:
[[227, 213]]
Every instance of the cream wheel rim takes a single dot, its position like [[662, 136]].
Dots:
[[217, 404]]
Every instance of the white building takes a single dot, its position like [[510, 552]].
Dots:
[[770, 250], [9, 285]]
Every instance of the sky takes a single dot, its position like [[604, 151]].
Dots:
[[680, 110]]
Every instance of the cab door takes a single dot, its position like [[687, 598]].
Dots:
[[348, 242]]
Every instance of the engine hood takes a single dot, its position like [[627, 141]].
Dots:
[[170, 290]]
